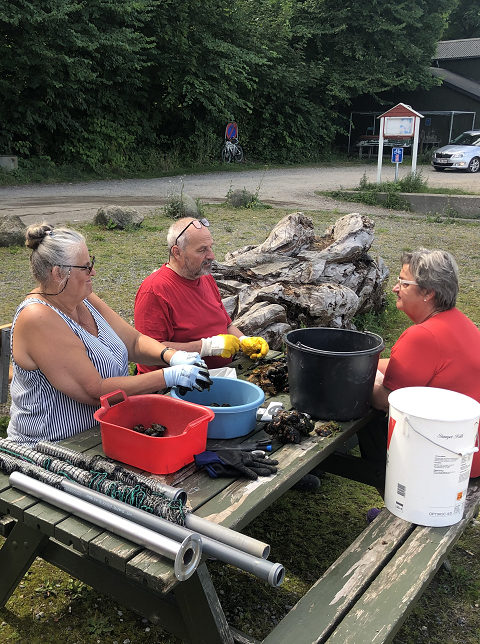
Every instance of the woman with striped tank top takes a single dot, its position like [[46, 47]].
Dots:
[[69, 348]]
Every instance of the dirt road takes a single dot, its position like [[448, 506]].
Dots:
[[290, 188]]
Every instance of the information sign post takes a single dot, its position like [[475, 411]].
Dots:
[[403, 123], [397, 157]]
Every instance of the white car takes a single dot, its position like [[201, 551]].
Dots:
[[462, 153]]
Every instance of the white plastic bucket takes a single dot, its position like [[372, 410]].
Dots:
[[432, 436]]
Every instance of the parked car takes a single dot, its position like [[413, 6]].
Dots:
[[462, 153]]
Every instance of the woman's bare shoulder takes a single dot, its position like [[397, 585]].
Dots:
[[36, 315]]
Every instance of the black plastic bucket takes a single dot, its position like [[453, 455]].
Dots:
[[331, 371]]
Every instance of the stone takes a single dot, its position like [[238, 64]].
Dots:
[[118, 217], [9, 163], [182, 205], [296, 278], [240, 198], [274, 334], [12, 231], [230, 303], [352, 237], [259, 316]]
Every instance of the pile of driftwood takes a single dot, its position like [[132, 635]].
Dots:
[[296, 278]]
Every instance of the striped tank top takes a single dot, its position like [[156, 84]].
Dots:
[[41, 412]]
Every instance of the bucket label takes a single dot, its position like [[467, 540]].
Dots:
[[391, 427], [465, 467], [444, 464], [399, 506], [459, 496], [443, 513], [401, 489]]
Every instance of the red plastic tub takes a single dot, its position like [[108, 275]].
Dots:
[[186, 433]]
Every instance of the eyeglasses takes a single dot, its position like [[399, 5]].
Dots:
[[404, 283], [198, 223], [88, 268]]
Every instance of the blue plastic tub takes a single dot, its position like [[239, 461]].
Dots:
[[229, 422]]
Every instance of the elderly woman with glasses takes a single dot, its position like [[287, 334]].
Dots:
[[441, 349], [69, 348]]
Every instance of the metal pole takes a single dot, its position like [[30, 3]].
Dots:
[[272, 573], [213, 530], [415, 145], [396, 172], [186, 555], [349, 133], [227, 536], [451, 127], [380, 151]]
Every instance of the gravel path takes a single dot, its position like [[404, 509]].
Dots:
[[287, 188]]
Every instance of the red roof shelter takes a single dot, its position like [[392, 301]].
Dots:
[[400, 121]]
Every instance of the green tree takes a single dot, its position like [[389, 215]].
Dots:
[[201, 71], [327, 52], [72, 78], [464, 21], [103, 80]]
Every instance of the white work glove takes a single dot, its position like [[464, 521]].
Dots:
[[379, 378], [186, 357], [225, 346], [254, 347], [188, 376]]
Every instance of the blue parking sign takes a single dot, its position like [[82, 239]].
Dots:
[[397, 155]]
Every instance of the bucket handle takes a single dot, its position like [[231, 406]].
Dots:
[[468, 451], [300, 345], [104, 399]]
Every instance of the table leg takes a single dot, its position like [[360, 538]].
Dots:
[[201, 610], [16, 556]]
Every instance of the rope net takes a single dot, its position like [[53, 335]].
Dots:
[[104, 476]]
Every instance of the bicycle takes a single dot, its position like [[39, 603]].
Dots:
[[232, 151]]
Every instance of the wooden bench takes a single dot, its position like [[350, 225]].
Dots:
[[5, 366], [367, 594]]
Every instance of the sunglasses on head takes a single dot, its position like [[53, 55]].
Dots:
[[197, 223]]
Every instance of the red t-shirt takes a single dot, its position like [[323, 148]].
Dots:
[[169, 307], [442, 352]]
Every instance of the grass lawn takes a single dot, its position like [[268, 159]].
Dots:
[[307, 531]]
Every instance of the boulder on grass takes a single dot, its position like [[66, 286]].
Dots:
[[296, 278], [12, 231], [182, 205], [118, 217]]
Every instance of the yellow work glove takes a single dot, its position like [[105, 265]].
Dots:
[[254, 347], [225, 346]]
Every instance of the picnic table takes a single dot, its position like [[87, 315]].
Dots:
[[363, 597]]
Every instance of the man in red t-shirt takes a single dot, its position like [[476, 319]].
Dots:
[[181, 304]]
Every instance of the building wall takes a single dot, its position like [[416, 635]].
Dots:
[[468, 67], [441, 98]]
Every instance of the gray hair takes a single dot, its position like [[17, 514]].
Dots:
[[175, 230], [51, 247], [435, 270]]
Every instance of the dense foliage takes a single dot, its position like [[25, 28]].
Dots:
[[464, 21], [115, 82]]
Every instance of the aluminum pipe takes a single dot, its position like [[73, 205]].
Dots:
[[186, 555], [226, 535], [272, 573]]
